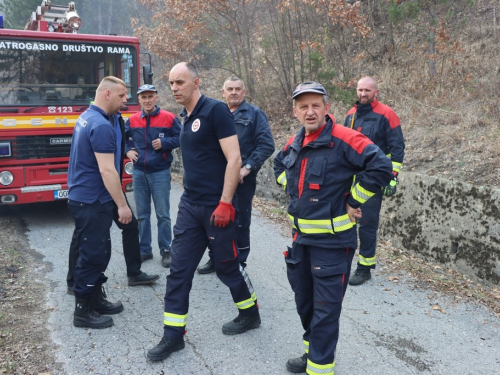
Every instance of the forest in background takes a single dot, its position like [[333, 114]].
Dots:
[[437, 62]]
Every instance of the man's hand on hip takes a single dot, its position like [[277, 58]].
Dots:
[[354, 213]]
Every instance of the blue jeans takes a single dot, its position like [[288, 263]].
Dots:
[[156, 185]]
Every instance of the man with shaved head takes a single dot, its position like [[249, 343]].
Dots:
[[206, 216], [381, 125], [94, 190], [256, 146]]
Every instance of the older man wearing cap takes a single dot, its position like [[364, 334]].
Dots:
[[316, 169], [155, 133]]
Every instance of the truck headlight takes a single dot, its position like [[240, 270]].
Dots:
[[129, 167], [6, 178]]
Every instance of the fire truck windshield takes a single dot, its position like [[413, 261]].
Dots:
[[61, 72]]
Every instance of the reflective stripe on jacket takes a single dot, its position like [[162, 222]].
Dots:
[[318, 180]]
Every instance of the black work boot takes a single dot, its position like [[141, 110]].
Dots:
[[164, 348], [360, 276], [101, 305], [85, 317], [297, 365], [207, 267], [142, 279], [242, 324], [165, 258]]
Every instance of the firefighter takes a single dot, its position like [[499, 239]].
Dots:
[[380, 123], [206, 216], [256, 146], [316, 169], [94, 190], [130, 231]]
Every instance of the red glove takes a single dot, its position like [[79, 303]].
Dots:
[[222, 214]]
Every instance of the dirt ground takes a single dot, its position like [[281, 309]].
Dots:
[[25, 344]]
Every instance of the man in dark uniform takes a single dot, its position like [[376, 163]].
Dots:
[[256, 146], [206, 217], [94, 190], [130, 231], [316, 167], [381, 125]]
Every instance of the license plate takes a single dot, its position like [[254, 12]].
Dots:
[[61, 194]]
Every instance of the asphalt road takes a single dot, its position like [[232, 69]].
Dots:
[[386, 328]]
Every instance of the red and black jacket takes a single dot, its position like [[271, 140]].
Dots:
[[381, 125], [143, 129], [319, 177]]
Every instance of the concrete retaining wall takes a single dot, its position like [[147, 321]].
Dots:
[[452, 223]]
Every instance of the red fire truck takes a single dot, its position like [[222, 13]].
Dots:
[[48, 77]]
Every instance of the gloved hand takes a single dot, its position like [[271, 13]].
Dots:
[[391, 188], [222, 214]]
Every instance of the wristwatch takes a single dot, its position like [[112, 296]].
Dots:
[[248, 166]]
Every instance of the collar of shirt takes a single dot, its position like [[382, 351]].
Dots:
[[98, 109], [153, 112], [195, 109], [308, 138]]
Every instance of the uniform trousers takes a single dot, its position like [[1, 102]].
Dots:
[[193, 233], [318, 277], [368, 229], [130, 242], [92, 224], [245, 193]]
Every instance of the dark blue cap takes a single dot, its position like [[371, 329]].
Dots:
[[309, 86], [146, 88]]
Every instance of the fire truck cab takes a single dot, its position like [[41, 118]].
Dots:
[[48, 77]]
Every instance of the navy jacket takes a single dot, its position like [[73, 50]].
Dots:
[[318, 179], [381, 125], [254, 135], [143, 129]]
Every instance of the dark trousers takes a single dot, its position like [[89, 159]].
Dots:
[[368, 228], [130, 242], [245, 193], [92, 224], [318, 277], [193, 233]]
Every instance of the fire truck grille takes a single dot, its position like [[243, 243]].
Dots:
[[41, 147]]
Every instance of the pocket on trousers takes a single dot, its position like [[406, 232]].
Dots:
[[95, 250], [330, 280], [291, 256], [222, 242]]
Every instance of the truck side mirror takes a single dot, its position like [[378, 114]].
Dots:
[[147, 74]]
